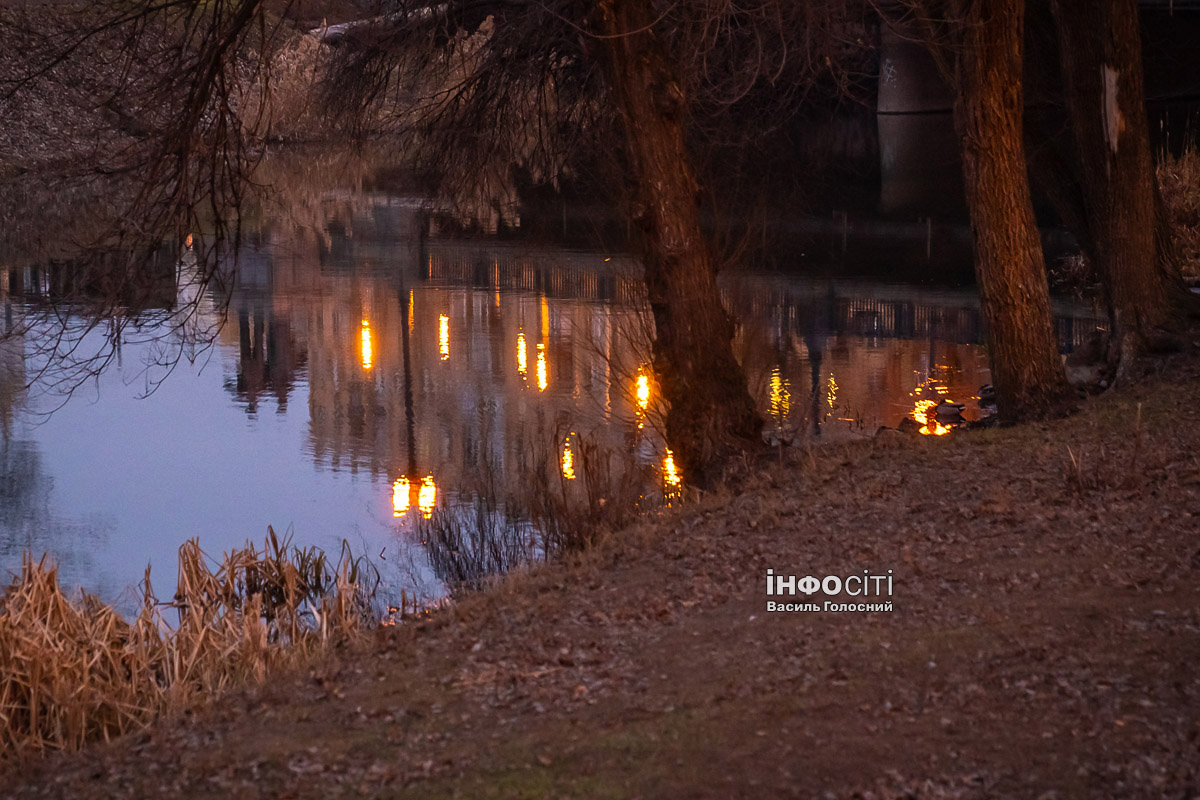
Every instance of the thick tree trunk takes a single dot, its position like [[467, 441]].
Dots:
[[1101, 61], [711, 416], [1026, 369]]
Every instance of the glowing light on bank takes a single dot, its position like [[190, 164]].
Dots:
[[365, 344], [444, 336], [934, 428], [522, 360], [925, 412]]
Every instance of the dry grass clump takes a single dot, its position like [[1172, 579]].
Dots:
[[278, 99], [563, 504], [1179, 180], [72, 669]]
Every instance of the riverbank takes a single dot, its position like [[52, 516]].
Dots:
[[1044, 629]]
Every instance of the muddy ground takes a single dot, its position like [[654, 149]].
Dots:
[[1044, 642]]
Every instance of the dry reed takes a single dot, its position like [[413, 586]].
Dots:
[[1179, 180], [72, 669]]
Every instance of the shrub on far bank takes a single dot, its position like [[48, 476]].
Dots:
[[1179, 180]]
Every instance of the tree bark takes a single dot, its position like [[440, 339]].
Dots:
[[711, 416], [1101, 62], [1026, 368]]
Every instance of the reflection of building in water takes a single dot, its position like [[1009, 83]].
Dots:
[[466, 382], [289, 283], [417, 375], [431, 364], [269, 357], [104, 280], [194, 304], [32, 523], [864, 355], [877, 310]]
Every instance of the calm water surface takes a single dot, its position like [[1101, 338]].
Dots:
[[368, 371]]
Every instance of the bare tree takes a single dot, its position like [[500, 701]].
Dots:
[[483, 88], [163, 173], [978, 44], [659, 88], [711, 414], [1100, 55]]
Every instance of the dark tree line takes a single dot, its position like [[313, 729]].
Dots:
[[662, 90], [1091, 156], [1121, 221], [477, 89], [665, 71], [978, 45]]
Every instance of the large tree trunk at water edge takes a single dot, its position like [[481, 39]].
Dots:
[[711, 416], [1101, 59], [1026, 368]]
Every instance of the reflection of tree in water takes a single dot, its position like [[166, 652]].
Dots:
[[12, 369], [28, 522], [468, 543], [22, 485], [172, 139]]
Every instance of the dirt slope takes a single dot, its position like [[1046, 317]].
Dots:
[[1044, 643]]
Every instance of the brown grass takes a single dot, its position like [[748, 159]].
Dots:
[[1179, 180], [492, 530], [72, 669]]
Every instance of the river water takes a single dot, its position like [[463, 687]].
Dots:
[[366, 370]]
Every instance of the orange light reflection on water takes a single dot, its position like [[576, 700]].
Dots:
[[568, 460], [643, 391], [400, 501], [924, 413], [403, 490], [543, 374], [781, 397], [365, 344], [427, 497]]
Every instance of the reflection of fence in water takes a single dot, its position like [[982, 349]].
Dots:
[[844, 309], [102, 280], [566, 275]]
